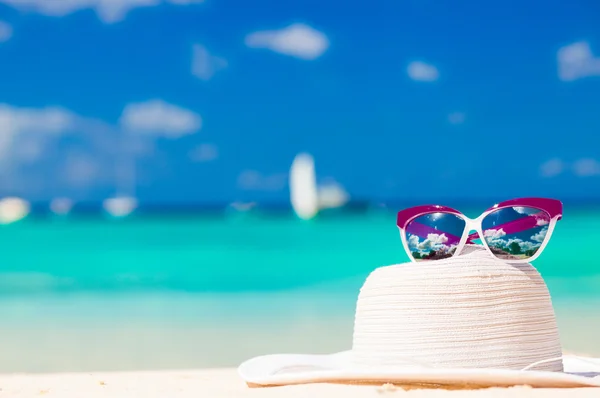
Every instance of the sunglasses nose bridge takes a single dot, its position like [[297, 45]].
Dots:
[[472, 227]]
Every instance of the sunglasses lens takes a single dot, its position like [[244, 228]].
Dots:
[[515, 233], [434, 236]]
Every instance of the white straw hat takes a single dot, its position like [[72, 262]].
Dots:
[[468, 321]]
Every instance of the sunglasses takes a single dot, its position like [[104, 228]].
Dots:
[[516, 230]]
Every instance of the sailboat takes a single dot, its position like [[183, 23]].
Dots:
[[242, 207], [13, 209], [306, 197], [124, 202], [61, 206], [120, 206]]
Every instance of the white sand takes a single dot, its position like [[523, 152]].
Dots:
[[225, 383]]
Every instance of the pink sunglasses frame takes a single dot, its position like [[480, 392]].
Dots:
[[552, 207]]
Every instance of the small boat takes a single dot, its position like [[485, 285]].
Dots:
[[306, 197], [120, 206], [124, 202], [61, 206], [13, 209], [242, 207]]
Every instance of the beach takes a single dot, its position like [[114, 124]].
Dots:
[[170, 307], [225, 383], [197, 197]]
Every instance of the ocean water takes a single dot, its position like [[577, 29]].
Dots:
[[197, 290]]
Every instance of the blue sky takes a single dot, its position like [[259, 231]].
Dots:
[[214, 99]]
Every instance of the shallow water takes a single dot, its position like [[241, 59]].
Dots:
[[159, 292]]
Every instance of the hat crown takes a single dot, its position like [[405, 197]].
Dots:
[[469, 311]]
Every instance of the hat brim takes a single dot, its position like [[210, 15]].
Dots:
[[286, 369]]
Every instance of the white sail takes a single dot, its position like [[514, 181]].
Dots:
[[332, 195], [13, 209], [303, 187], [120, 206], [61, 206]]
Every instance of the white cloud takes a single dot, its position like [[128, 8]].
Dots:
[[109, 11], [540, 217], [28, 150], [552, 168], [413, 241], [586, 167], [6, 31], [297, 40], [433, 241], [542, 220], [540, 236], [31, 141], [31, 148], [526, 210], [205, 65], [50, 120], [525, 245], [158, 118], [494, 234], [252, 180], [81, 170], [204, 153], [421, 71], [456, 118], [33, 123], [576, 61]]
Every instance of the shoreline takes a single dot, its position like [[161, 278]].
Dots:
[[225, 383], [149, 333]]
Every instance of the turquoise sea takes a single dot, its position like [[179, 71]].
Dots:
[[158, 291]]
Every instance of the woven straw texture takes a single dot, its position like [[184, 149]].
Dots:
[[470, 311]]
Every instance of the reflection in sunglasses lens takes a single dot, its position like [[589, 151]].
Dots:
[[515, 233], [434, 236]]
